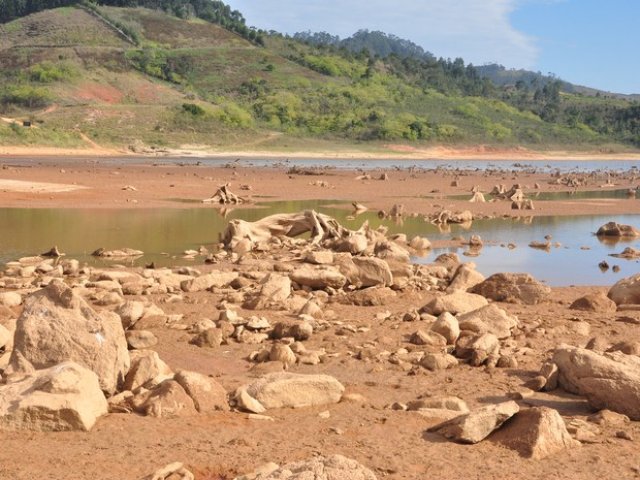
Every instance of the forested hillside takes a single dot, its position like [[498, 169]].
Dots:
[[169, 72]]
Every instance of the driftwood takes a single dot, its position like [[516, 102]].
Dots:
[[477, 197], [224, 196], [52, 253], [321, 227]]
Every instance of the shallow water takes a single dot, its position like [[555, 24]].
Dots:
[[163, 234]]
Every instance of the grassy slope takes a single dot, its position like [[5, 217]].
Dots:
[[105, 98]]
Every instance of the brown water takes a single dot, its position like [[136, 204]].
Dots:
[[163, 234]]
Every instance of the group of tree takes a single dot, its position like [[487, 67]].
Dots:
[[375, 44], [214, 11]]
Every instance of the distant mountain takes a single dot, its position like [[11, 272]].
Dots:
[[503, 77], [94, 72], [377, 43]]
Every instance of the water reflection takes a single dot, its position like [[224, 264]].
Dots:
[[163, 234]]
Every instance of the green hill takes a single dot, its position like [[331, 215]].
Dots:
[[131, 76]]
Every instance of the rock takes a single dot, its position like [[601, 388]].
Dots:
[[420, 243], [289, 390], [147, 370], [447, 326], [10, 299], [117, 254], [513, 288], [438, 361], [354, 244], [335, 467], [477, 425], [477, 349], [56, 326], [171, 471], [299, 330], [595, 302], [206, 282], [464, 278], [549, 372], [610, 380], [536, 433], [282, 353], [444, 403], [130, 312], [322, 257], [141, 339], [274, 290], [318, 278], [211, 338], [246, 402], [372, 272], [371, 297], [457, 302], [608, 418], [629, 253], [613, 229], [207, 394], [167, 400], [626, 347], [428, 338], [626, 291], [64, 397], [496, 320]]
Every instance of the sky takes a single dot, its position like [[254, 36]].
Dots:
[[588, 42]]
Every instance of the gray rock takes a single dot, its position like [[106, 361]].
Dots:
[[64, 397], [477, 425], [57, 326]]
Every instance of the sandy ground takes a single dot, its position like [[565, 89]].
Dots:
[[172, 186], [395, 444]]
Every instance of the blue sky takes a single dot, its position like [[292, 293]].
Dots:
[[589, 42]]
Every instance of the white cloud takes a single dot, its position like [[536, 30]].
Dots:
[[480, 31]]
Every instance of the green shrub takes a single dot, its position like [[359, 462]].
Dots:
[[25, 96], [193, 109], [47, 72]]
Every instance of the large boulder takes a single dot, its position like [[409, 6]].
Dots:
[[207, 394], [477, 425], [457, 302], [64, 397], [372, 271], [318, 277], [167, 400], [335, 467], [147, 370], [594, 302], [291, 390], [496, 320], [613, 229], [626, 291], [535, 433], [513, 288], [465, 277], [57, 326], [610, 380], [273, 290]]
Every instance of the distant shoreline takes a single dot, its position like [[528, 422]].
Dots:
[[480, 153]]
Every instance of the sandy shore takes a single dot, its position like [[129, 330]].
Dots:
[[366, 348], [400, 152], [85, 184]]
